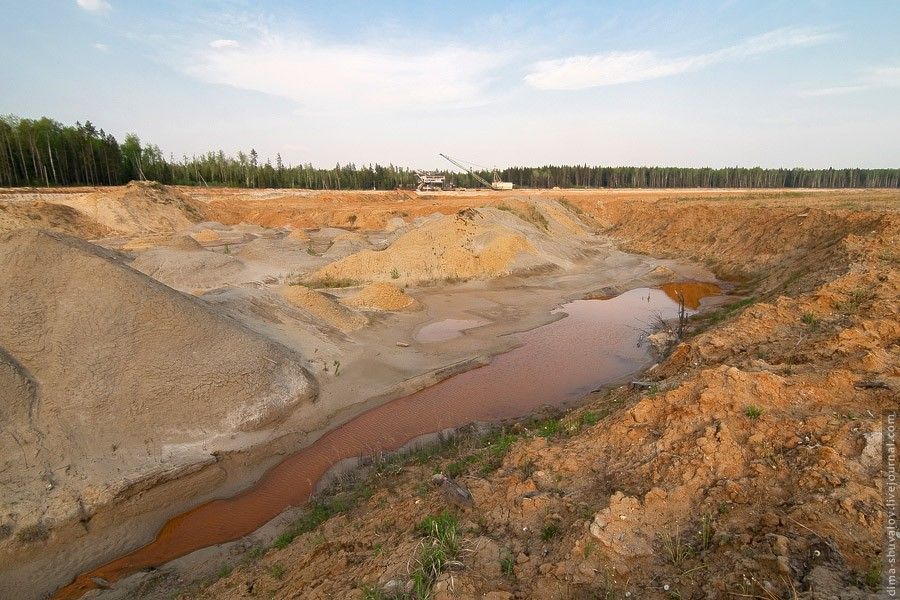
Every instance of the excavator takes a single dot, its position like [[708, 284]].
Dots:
[[496, 184]]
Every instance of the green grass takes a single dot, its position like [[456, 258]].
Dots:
[[441, 543], [854, 301], [550, 531], [723, 313], [549, 428], [589, 418], [753, 412], [223, 572], [676, 550], [810, 320], [276, 570], [319, 511], [507, 564], [329, 282]]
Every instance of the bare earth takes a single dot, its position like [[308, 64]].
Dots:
[[175, 357]]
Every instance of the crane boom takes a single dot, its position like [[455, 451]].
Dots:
[[468, 170]]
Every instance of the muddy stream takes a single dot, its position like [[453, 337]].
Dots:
[[596, 344]]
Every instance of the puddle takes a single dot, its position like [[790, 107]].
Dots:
[[447, 329], [557, 364], [692, 291]]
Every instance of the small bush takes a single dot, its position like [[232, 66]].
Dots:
[[550, 531], [395, 274], [753, 411], [810, 320], [223, 572], [351, 219], [276, 571], [589, 418]]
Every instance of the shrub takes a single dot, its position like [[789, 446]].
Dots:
[[753, 411]]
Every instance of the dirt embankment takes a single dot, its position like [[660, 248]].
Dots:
[[749, 468], [111, 383], [139, 208]]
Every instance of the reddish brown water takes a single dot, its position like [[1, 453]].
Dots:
[[597, 343]]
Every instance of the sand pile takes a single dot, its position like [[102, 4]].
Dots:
[[108, 378], [324, 308], [185, 243], [382, 296], [188, 268], [298, 235], [48, 215], [140, 207], [475, 243]]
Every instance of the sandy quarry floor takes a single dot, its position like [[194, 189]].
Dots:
[[377, 268]]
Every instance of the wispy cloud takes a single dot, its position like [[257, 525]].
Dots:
[[324, 77], [101, 47], [224, 44], [94, 5], [873, 78], [612, 68]]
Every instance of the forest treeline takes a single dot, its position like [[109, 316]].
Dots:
[[44, 152]]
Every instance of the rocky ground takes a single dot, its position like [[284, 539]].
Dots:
[[750, 467]]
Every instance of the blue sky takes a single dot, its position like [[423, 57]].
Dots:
[[719, 83]]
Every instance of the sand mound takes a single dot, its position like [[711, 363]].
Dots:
[[138, 208], [206, 235], [184, 243], [482, 243], [324, 308], [188, 269], [109, 377], [298, 235], [47, 215], [382, 296]]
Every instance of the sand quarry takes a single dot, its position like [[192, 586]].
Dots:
[[163, 347]]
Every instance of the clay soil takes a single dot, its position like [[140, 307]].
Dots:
[[748, 464]]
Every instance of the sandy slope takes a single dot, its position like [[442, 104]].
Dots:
[[111, 378]]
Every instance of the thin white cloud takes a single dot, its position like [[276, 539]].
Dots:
[[224, 44], [94, 5], [101, 47], [872, 78], [613, 68], [324, 77]]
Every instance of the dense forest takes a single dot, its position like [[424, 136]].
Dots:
[[44, 152]]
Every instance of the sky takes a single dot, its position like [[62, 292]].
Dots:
[[707, 83]]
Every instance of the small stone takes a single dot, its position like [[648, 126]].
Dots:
[[403, 344]]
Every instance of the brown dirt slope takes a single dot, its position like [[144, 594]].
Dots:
[[751, 467], [108, 377]]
